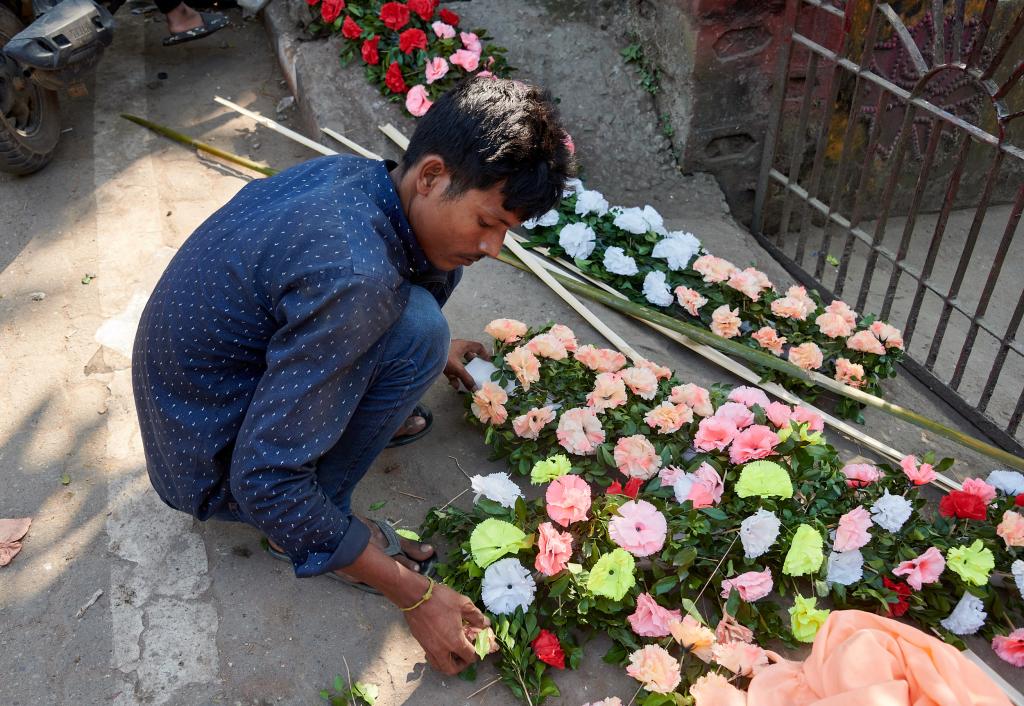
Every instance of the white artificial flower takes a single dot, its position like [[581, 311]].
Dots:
[[572, 186], [654, 221], [618, 262], [890, 512], [1017, 569], [507, 585], [1010, 482], [497, 487], [548, 219], [682, 486], [968, 616], [630, 220], [656, 289], [678, 248], [845, 567], [759, 532], [591, 202], [577, 239]]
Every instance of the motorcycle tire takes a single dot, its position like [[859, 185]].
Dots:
[[28, 147]]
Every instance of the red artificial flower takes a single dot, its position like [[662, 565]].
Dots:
[[412, 39], [614, 489], [312, 2], [423, 8], [393, 79], [369, 50], [449, 17], [330, 10], [349, 28], [631, 490], [1019, 500], [903, 592], [963, 505], [548, 649], [395, 15]]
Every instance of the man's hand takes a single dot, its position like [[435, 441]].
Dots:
[[439, 625], [460, 353]]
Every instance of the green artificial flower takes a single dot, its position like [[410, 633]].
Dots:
[[493, 539], [973, 564], [612, 575], [764, 479], [550, 468], [805, 620], [805, 553], [815, 439], [408, 534]]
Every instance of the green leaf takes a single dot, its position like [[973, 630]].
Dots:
[[482, 644], [65, 479], [664, 585], [339, 684], [367, 692], [378, 505], [691, 608], [715, 513]]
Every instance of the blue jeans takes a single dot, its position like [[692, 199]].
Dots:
[[414, 354]]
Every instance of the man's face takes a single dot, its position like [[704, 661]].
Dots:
[[455, 231]]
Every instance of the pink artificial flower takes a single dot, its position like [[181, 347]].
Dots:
[[636, 457], [668, 418], [488, 404], [841, 309], [751, 444], [568, 499], [547, 345], [1010, 648], [579, 431], [486, 74], [852, 532], [563, 333], [769, 339], [609, 392], [554, 549], [707, 487], [752, 585], [471, 42], [749, 396], [976, 486], [569, 144], [693, 396], [466, 59], [729, 630], [655, 668], [436, 68], [714, 434], [865, 342], [443, 30], [714, 269], [650, 619], [529, 425], [778, 414], [749, 282], [795, 305], [736, 413], [660, 371], [919, 475], [524, 365], [889, 335], [806, 415], [638, 528], [641, 382], [926, 568], [690, 299], [848, 373], [806, 355], [505, 330], [741, 658], [601, 360], [1011, 529], [725, 322], [859, 475], [668, 474]]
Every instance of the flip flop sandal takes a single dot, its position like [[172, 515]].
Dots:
[[212, 21], [420, 410]]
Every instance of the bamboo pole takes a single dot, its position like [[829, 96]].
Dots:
[[350, 144], [276, 127]]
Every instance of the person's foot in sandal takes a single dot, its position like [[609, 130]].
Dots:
[[185, 24], [415, 427]]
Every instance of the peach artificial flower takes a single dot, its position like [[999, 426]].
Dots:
[[795, 305], [712, 689], [714, 269], [529, 425], [525, 366], [554, 549], [848, 373], [695, 638], [636, 457], [891, 336], [655, 668], [753, 443], [750, 282], [601, 360], [609, 392], [505, 330], [737, 413], [565, 335], [833, 325], [690, 299], [693, 396], [729, 630], [650, 619], [843, 310], [579, 431], [742, 658], [660, 371], [668, 418], [769, 339], [725, 322], [806, 355], [714, 434], [567, 499], [488, 404], [1011, 529], [865, 342], [641, 382], [547, 345]]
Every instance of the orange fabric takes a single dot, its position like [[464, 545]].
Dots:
[[862, 659]]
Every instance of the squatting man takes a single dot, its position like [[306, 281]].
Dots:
[[291, 337]]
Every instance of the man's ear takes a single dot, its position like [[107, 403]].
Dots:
[[431, 173]]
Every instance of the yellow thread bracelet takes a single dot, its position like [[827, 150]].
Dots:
[[426, 597]]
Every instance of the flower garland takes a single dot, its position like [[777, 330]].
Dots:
[[729, 519], [631, 250], [413, 51]]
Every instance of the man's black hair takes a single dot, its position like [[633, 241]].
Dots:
[[490, 130]]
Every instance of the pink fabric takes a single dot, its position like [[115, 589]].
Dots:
[[860, 658], [11, 532]]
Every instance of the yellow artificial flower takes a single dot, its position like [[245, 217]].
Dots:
[[805, 620], [805, 553], [612, 575], [493, 539], [550, 468], [973, 564], [764, 479], [815, 439]]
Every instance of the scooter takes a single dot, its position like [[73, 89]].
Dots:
[[55, 52]]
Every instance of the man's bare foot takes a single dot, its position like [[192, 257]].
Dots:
[[183, 18], [412, 425]]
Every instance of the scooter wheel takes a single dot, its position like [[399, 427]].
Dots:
[[29, 115]]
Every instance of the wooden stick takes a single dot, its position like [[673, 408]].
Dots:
[[350, 144], [276, 127]]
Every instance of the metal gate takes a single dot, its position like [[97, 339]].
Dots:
[[891, 178]]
